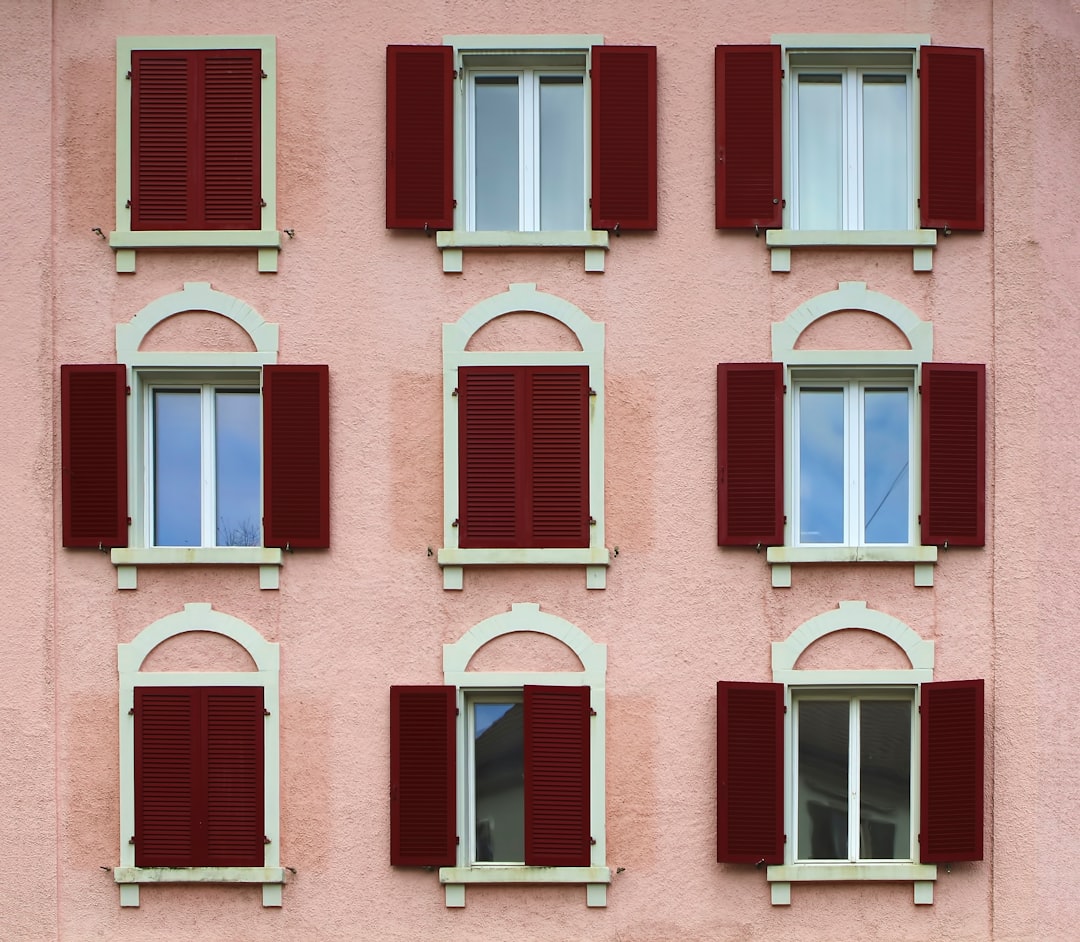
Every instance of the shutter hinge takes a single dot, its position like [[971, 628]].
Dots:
[[785, 708], [455, 392], [262, 74], [592, 712], [266, 712], [127, 75], [592, 521], [266, 840], [457, 839], [127, 390], [918, 73], [592, 841], [129, 521], [785, 520], [455, 523], [262, 202], [784, 387], [454, 203], [592, 392], [457, 711], [131, 712], [127, 203], [783, 73], [131, 840]]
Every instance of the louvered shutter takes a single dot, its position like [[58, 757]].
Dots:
[[624, 137], [748, 137], [953, 454], [419, 137], [93, 435], [750, 461], [951, 827], [750, 772], [423, 802], [296, 456], [557, 726], [952, 184]]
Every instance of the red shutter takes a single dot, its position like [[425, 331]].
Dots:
[[93, 432], [296, 456], [423, 802], [750, 772], [953, 454], [750, 462], [953, 162], [624, 137], [419, 137], [557, 722], [748, 137], [951, 827]]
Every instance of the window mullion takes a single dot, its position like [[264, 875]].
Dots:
[[209, 461], [853, 463], [529, 109], [852, 117], [854, 780]]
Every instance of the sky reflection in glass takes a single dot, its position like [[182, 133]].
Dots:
[[562, 146], [496, 159]]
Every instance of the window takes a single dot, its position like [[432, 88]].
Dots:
[[534, 131], [499, 778], [196, 132], [850, 140]]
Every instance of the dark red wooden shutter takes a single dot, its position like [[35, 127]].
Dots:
[[557, 721], [953, 454], [93, 435], [952, 184], [750, 772], [296, 456], [419, 137], [750, 461], [624, 137], [951, 827], [748, 137], [423, 802]]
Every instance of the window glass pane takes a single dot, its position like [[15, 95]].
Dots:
[[822, 803], [177, 471], [886, 151], [821, 465], [886, 454], [820, 152], [885, 779], [239, 466], [496, 160], [562, 152], [499, 770]]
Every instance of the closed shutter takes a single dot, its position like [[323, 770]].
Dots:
[[557, 727], [93, 435], [750, 461], [748, 137], [952, 772], [624, 137], [953, 454], [423, 802], [952, 182], [419, 137], [750, 772], [296, 456]]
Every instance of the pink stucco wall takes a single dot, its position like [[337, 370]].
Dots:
[[677, 614]]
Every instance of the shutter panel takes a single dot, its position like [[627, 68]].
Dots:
[[624, 137], [419, 137], [231, 159], [748, 137], [953, 454], [423, 802], [750, 461], [750, 772], [93, 430], [557, 727], [951, 827], [296, 456], [952, 183]]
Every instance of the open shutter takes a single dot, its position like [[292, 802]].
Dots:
[[750, 459], [750, 772], [951, 827], [557, 721], [423, 802], [953, 454], [748, 138], [624, 137], [93, 434], [419, 137], [952, 183], [296, 456]]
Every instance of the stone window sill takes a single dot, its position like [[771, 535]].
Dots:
[[781, 559], [129, 878], [596, 879], [921, 875], [594, 242], [127, 560], [267, 241], [920, 241]]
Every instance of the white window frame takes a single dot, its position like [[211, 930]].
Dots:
[[266, 239], [265, 657], [590, 336], [527, 617]]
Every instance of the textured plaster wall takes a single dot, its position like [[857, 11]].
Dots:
[[677, 615]]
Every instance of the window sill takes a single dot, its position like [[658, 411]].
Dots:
[[594, 242], [921, 875], [127, 560], [595, 560], [267, 241], [781, 559], [129, 878], [920, 241], [596, 879]]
